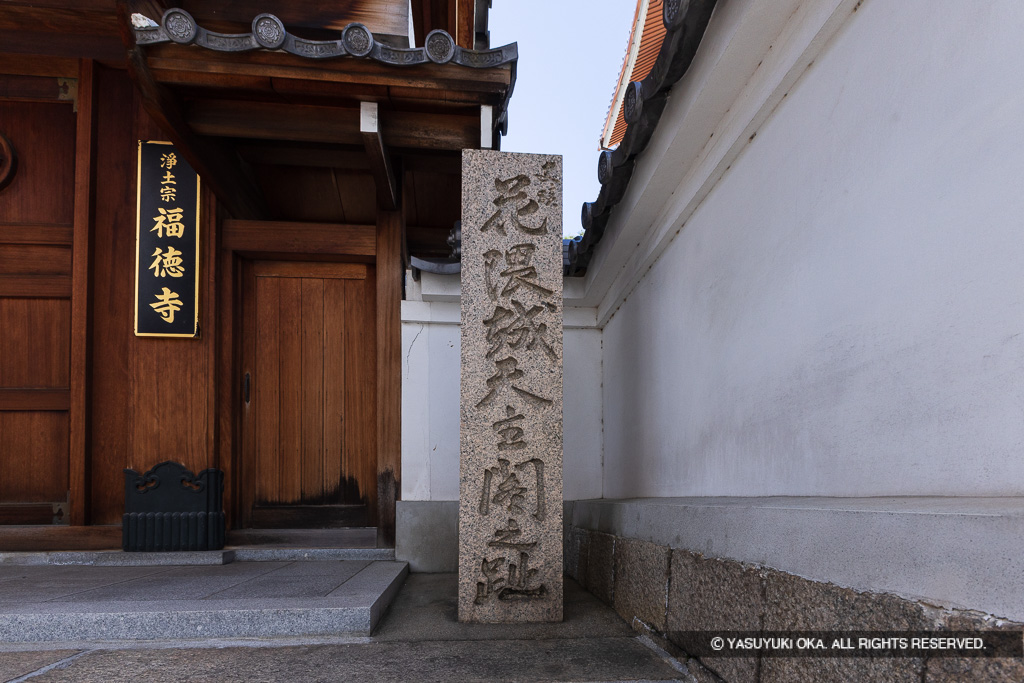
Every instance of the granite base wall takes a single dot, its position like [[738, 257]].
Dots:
[[662, 591]]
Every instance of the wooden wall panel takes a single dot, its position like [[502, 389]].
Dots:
[[389, 372], [34, 466], [150, 397], [43, 136], [34, 345]]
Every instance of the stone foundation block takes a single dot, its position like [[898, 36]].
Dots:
[[711, 595], [956, 669], [641, 582], [599, 578], [574, 553], [796, 604]]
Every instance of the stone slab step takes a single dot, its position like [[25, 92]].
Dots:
[[299, 554], [353, 608], [118, 558]]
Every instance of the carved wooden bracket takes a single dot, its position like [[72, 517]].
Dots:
[[8, 162]]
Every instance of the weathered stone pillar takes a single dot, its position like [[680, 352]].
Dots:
[[510, 493]]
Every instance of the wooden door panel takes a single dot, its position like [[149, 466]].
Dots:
[[312, 441], [289, 447], [312, 389], [359, 460], [266, 396], [334, 390]]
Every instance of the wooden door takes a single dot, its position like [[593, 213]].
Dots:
[[36, 219], [308, 371]]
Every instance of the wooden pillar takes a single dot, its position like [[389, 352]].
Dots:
[[389, 372], [81, 279]]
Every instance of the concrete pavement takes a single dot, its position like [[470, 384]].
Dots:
[[418, 639]]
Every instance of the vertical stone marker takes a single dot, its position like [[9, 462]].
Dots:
[[510, 491]]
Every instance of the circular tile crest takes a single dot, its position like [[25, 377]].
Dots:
[[604, 167], [357, 39], [587, 215], [8, 162], [673, 12], [179, 25], [440, 46], [633, 104], [268, 31]]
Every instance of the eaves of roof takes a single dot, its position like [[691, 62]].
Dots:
[[643, 103], [641, 54], [269, 33]]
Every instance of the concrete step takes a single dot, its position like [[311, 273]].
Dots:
[[48, 603], [118, 558]]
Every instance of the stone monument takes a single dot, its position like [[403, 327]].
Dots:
[[510, 490]]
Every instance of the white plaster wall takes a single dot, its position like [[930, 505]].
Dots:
[[430, 406], [430, 401], [842, 314], [582, 436]]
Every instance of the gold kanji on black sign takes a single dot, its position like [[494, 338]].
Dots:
[[167, 244]]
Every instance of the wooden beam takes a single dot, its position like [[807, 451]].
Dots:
[[178, 65], [35, 399], [389, 17], [271, 121], [31, 88], [378, 157], [36, 233], [81, 279], [58, 20], [389, 372], [27, 513], [34, 65], [35, 286], [228, 292], [213, 322], [19, 538], [465, 23], [274, 153], [70, 45], [219, 167], [298, 238]]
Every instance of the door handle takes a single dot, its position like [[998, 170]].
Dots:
[[245, 388]]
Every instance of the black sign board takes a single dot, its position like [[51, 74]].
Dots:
[[166, 244]]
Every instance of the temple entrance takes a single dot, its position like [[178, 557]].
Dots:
[[308, 457]]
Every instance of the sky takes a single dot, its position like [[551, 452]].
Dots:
[[570, 54]]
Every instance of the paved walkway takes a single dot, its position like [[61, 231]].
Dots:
[[418, 639]]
